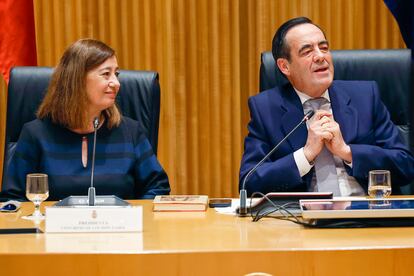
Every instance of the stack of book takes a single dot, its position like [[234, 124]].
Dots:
[[180, 203]]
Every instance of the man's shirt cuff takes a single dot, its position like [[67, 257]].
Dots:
[[301, 162], [349, 164]]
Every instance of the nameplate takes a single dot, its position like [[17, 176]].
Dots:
[[93, 219], [131, 242]]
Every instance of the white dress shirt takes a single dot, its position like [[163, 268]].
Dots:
[[348, 186]]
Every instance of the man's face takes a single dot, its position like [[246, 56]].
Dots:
[[310, 69]]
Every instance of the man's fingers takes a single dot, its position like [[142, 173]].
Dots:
[[322, 113], [327, 135], [325, 120]]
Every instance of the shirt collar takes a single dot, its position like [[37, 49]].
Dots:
[[304, 97]]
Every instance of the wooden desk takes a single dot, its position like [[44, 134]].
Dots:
[[207, 244]]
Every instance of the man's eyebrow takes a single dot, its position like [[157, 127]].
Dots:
[[304, 47], [324, 42], [307, 46]]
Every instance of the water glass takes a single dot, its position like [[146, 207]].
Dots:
[[379, 184], [37, 191]]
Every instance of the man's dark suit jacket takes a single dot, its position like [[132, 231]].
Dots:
[[364, 122]]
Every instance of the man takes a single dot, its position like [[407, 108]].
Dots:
[[350, 134]]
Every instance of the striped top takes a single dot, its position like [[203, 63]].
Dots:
[[125, 164]]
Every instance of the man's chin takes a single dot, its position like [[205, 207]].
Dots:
[[321, 86], [324, 82]]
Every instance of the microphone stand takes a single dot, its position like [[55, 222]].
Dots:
[[91, 190], [243, 192], [92, 199]]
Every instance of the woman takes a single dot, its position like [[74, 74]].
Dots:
[[59, 143]]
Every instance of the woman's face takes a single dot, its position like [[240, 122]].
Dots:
[[102, 86]]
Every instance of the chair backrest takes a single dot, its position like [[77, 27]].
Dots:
[[391, 69], [138, 98]]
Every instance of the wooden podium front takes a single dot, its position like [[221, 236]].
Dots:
[[206, 243]]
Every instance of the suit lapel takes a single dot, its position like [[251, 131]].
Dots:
[[292, 116], [343, 112]]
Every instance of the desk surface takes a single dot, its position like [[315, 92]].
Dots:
[[207, 243]]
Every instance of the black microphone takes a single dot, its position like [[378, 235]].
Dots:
[[91, 190], [92, 199], [243, 193]]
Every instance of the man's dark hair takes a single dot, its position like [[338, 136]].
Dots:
[[280, 49]]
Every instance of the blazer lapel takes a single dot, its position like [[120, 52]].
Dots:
[[343, 112], [292, 116]]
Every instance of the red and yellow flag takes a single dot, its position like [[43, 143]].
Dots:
[[17, 35]]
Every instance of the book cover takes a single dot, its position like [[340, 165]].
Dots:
[[180, 203]]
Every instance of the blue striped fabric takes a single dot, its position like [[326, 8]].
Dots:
[[125, 164]]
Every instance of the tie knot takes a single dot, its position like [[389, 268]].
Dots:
[[315, 104]]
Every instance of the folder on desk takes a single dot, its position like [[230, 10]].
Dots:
[[367, 212], [283, 204]]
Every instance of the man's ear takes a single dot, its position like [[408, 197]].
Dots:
[[283, 65]]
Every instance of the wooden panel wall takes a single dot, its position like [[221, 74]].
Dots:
[[207, 53]]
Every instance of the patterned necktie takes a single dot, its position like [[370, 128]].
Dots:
[[325, 169]]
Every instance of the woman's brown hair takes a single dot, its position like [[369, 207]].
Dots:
[[66, 101]]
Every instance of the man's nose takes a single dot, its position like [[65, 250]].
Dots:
[[319, 56]]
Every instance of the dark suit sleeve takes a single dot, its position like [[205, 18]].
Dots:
[[382, 148], [279, 172]]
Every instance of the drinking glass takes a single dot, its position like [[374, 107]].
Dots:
[[379, 184], [379, 204], [37, 191]]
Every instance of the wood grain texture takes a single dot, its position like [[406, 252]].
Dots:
[[208, 55], [206, 243]]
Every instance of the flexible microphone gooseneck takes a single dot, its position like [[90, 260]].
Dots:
[[91, 190], [92, 199], [243, 192]]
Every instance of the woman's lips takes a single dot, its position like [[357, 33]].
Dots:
[[111, 94]]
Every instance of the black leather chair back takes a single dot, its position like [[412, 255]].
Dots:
[[391, 69], [138, 98]]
